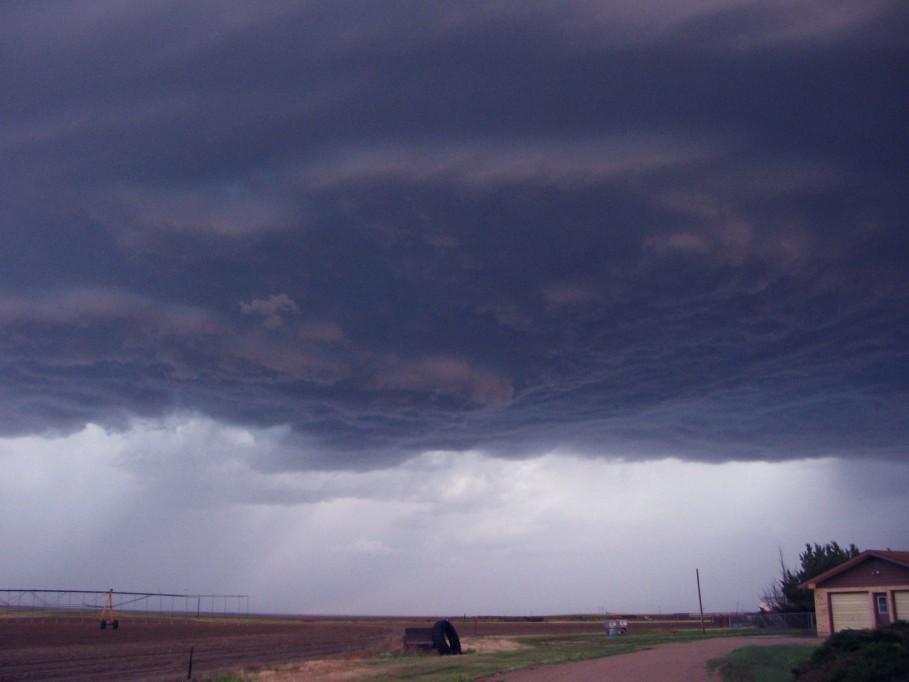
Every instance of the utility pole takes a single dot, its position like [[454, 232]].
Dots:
[[697, 574]]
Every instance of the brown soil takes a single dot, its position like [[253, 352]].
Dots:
[[74, 649], [159, 649]]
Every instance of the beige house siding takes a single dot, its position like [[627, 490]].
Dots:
[[822, 613]]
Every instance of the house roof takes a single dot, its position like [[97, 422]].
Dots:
[[899, 558]]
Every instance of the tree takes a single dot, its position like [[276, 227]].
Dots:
[[784, 595]]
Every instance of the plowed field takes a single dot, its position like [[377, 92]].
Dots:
[[158, 649]]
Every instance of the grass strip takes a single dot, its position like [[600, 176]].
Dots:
[[761, 663]]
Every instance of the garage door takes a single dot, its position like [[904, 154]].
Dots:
[[851, 611], [902, 605]]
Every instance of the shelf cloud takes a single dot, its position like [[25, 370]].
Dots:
[[635, 233]]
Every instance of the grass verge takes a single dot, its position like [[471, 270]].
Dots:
[[761, 663], [481, 663]]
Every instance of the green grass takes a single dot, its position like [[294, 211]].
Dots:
[[539, 650], [762, 663]]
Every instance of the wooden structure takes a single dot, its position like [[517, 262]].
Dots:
[[868, 591], [418, 639]]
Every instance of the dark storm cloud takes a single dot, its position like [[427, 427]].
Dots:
[[393, 227]]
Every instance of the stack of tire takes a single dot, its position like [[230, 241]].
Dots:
[[445, 638]]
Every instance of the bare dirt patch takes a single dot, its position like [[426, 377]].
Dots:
[[491, 645]]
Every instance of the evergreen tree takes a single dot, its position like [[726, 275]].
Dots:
[[785, 595]]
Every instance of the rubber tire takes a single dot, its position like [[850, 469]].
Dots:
[[115, 624], [103, 624], [445, 638]]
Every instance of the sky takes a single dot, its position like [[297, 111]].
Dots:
[[409, 308]]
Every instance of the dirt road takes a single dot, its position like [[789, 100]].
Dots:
[[677, 662]]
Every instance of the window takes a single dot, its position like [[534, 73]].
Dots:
[[882, 604]]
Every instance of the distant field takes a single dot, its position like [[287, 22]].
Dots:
[[73, 647]]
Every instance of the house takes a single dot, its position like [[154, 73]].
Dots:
[[869, 590]]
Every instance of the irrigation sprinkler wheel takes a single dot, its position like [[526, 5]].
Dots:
[[445, 638], [103, 624], [115, 624]]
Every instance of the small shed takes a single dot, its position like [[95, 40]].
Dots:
[[866, 592]]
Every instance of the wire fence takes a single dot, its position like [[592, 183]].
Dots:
[[88, 604], [768, 620], [764, 620], [784, 621]]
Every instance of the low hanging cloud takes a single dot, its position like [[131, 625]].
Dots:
[[445, 376], [567, 163], [231, 211], [497, 529], [273, 309], [567, 293]]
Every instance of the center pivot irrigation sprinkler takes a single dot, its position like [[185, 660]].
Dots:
[[108, 610]]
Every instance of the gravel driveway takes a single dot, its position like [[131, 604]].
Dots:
[[677, 662]]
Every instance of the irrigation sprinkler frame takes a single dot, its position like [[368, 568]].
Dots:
[[57, 604]]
